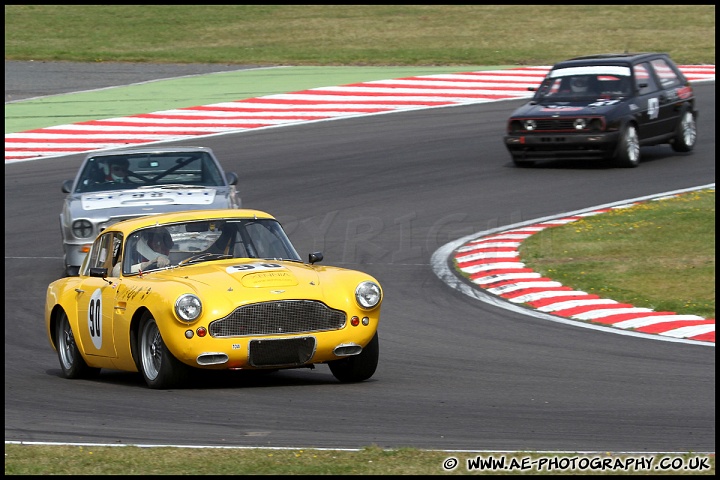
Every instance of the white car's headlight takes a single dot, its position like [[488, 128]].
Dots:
[[188, 307], [82, 228], [368, 294]]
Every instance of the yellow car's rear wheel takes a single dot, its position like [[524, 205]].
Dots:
[[71, 361]]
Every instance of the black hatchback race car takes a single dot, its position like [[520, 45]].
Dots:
[[605, 107]]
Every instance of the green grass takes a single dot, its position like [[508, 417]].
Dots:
[[658, 254], [355, 34], [609, 253], [85, 460]]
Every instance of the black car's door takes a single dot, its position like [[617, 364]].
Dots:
[[669, 102], [648, 102]]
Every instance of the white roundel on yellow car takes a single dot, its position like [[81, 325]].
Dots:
[[255, 267], [95, 318]]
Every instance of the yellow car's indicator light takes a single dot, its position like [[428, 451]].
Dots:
[[201, 331], [189, 334], [355, 321], [366, 321]]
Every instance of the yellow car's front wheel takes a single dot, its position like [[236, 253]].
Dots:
[[358, 367], [158, 366]]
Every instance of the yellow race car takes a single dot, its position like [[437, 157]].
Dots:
[[169, 294]]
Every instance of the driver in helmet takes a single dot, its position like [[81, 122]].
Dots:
[[153, 248], [117, 171], [579, 84]]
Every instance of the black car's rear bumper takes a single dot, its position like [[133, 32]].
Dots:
[[556, 145]]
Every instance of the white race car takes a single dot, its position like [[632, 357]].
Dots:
[[117, 185]]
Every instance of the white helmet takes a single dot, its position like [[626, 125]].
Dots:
[[579, 84]]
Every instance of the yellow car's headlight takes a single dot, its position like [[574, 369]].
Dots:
[[188, 307], [368, 294]]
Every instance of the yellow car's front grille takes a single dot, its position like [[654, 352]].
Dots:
[[280, 317]]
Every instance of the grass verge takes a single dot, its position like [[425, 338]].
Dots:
[[84, 460], [355, 34], [658, 254]]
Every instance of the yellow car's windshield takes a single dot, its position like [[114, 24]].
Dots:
[[193, 242]]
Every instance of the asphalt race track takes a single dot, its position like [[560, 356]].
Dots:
[[382, 194]]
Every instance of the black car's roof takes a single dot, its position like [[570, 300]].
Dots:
[[610, 59]]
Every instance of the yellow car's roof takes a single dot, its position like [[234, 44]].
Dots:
[[184, 216]]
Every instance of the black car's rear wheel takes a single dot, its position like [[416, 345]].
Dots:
[[628, 150], [686, 135], [358, 367], [71, 362], [159, 367]]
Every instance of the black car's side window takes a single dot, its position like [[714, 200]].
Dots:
[[644, 79], [665, 73]]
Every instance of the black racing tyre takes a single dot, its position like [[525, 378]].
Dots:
[[686, 134], [628, 150], [358, 367], [71, 362], [159, 367], [522, 163]]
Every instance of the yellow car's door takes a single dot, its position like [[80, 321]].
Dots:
[[96, 304], [96, 299]]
